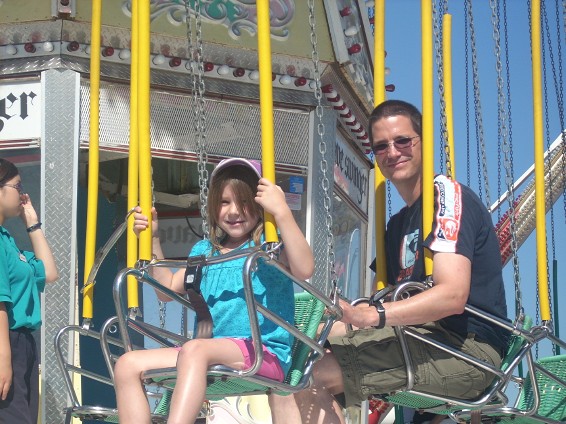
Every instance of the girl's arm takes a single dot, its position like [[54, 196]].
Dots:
[[297, 253], [39, 243], [5, 354], [164, 276]]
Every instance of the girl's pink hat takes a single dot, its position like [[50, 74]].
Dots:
[[254, 165]]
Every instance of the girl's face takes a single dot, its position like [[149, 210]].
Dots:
[[11, 198], [237, 226]]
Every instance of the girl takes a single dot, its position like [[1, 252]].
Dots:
[[22, 278], [236, 199]]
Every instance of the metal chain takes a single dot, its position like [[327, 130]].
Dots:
[[509, 178], [322, 148], [545, 30], [389, 208], [199, 118], [561, 92], [466, 50], [437, 24], [477, 103]]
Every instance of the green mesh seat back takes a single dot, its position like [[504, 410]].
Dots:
[[308, 314], [515, 344], [164, 404], [220, 389], [552, 395], [414, 401]]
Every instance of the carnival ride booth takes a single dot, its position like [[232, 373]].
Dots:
[[159, 110], [239, 123]]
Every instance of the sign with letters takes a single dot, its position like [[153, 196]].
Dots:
[[351, 174], [20, 110]]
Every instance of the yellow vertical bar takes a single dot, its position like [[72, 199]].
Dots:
[[93, 158], [447, 67], [428, 124], [133, 159], [379, 180], [539, 163], [144, 123], [266, 106]]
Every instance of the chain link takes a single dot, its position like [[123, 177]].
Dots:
[[199, 117], [467, 65], [322, 148], [477, 103], [509, 178], [437, 24], [561, 93]]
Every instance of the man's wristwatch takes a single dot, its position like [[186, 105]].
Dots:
[[381, 312]]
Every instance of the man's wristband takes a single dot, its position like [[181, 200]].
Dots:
[[381, 312], [34, 227]]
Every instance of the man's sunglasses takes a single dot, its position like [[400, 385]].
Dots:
[[400, 144]]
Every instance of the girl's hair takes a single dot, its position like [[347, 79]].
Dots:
[[243, 182], [7, 171]]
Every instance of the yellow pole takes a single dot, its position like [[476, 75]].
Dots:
[[379, 180], [266, 106], [539, 163], [133, 159], [144, 123], [428, 125], [447, 67], [93, 158]]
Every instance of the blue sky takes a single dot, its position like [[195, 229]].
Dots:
[[403, 46]]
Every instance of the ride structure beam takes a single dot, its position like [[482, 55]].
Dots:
[[266, 106], [539, 162], [427, 140], [379, 180]]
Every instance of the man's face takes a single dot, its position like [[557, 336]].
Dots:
[[397, 148]]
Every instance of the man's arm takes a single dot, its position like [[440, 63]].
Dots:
[[451, 276]]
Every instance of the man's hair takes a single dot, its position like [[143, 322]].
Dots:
[[395, 108], [7, 171]]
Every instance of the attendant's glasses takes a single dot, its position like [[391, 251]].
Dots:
[[18, 187], [400, 144]]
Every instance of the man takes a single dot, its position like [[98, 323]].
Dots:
[[467, 269]]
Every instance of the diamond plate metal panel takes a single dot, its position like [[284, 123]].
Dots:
[[318, 221], [59, 172], [233, 129]]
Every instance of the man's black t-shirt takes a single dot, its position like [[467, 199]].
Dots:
[[461, 225]]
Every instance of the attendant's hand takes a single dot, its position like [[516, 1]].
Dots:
[[5, 378], [28, 214]]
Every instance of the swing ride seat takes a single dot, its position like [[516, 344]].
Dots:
[[310, 307], [222, 382], [97, 412], [550, 408]]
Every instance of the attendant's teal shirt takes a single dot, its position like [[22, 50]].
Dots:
[[223, 290], [22, 279]]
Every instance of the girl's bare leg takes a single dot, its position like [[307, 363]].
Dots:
[[130, 393], [194, 359]]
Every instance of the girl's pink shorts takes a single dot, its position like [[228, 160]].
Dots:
[[270, 366]]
